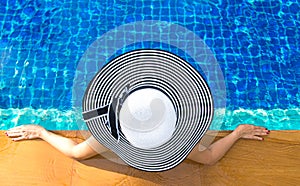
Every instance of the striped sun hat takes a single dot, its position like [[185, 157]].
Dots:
[[150, 107]]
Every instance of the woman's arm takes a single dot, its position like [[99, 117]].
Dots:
[[83, 150], [218, 149], [69, 147], [65, 145]]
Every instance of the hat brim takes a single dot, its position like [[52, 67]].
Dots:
[[168, 73]]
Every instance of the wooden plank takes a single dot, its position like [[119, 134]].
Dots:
[[274, 161]]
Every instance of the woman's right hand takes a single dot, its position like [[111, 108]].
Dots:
[[25, 132], [247, 131]]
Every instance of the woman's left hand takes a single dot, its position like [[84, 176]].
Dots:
[[25, 132]]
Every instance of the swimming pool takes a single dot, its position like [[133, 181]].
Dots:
[[256, 44]]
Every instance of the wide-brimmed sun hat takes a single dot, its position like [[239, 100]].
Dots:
[[150, 107]]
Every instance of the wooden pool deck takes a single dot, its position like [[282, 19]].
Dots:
[[275, 161]]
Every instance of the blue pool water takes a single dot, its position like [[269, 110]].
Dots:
[[256, 43]]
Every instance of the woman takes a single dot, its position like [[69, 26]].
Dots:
[[83, 150]]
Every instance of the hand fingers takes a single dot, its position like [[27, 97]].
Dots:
[[257, 138], [253, 137], [19, 138], [16, 128], [259, 128], [14, 133], [261, 132], [21, 128]]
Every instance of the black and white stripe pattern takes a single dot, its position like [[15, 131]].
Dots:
[[168, 73]]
